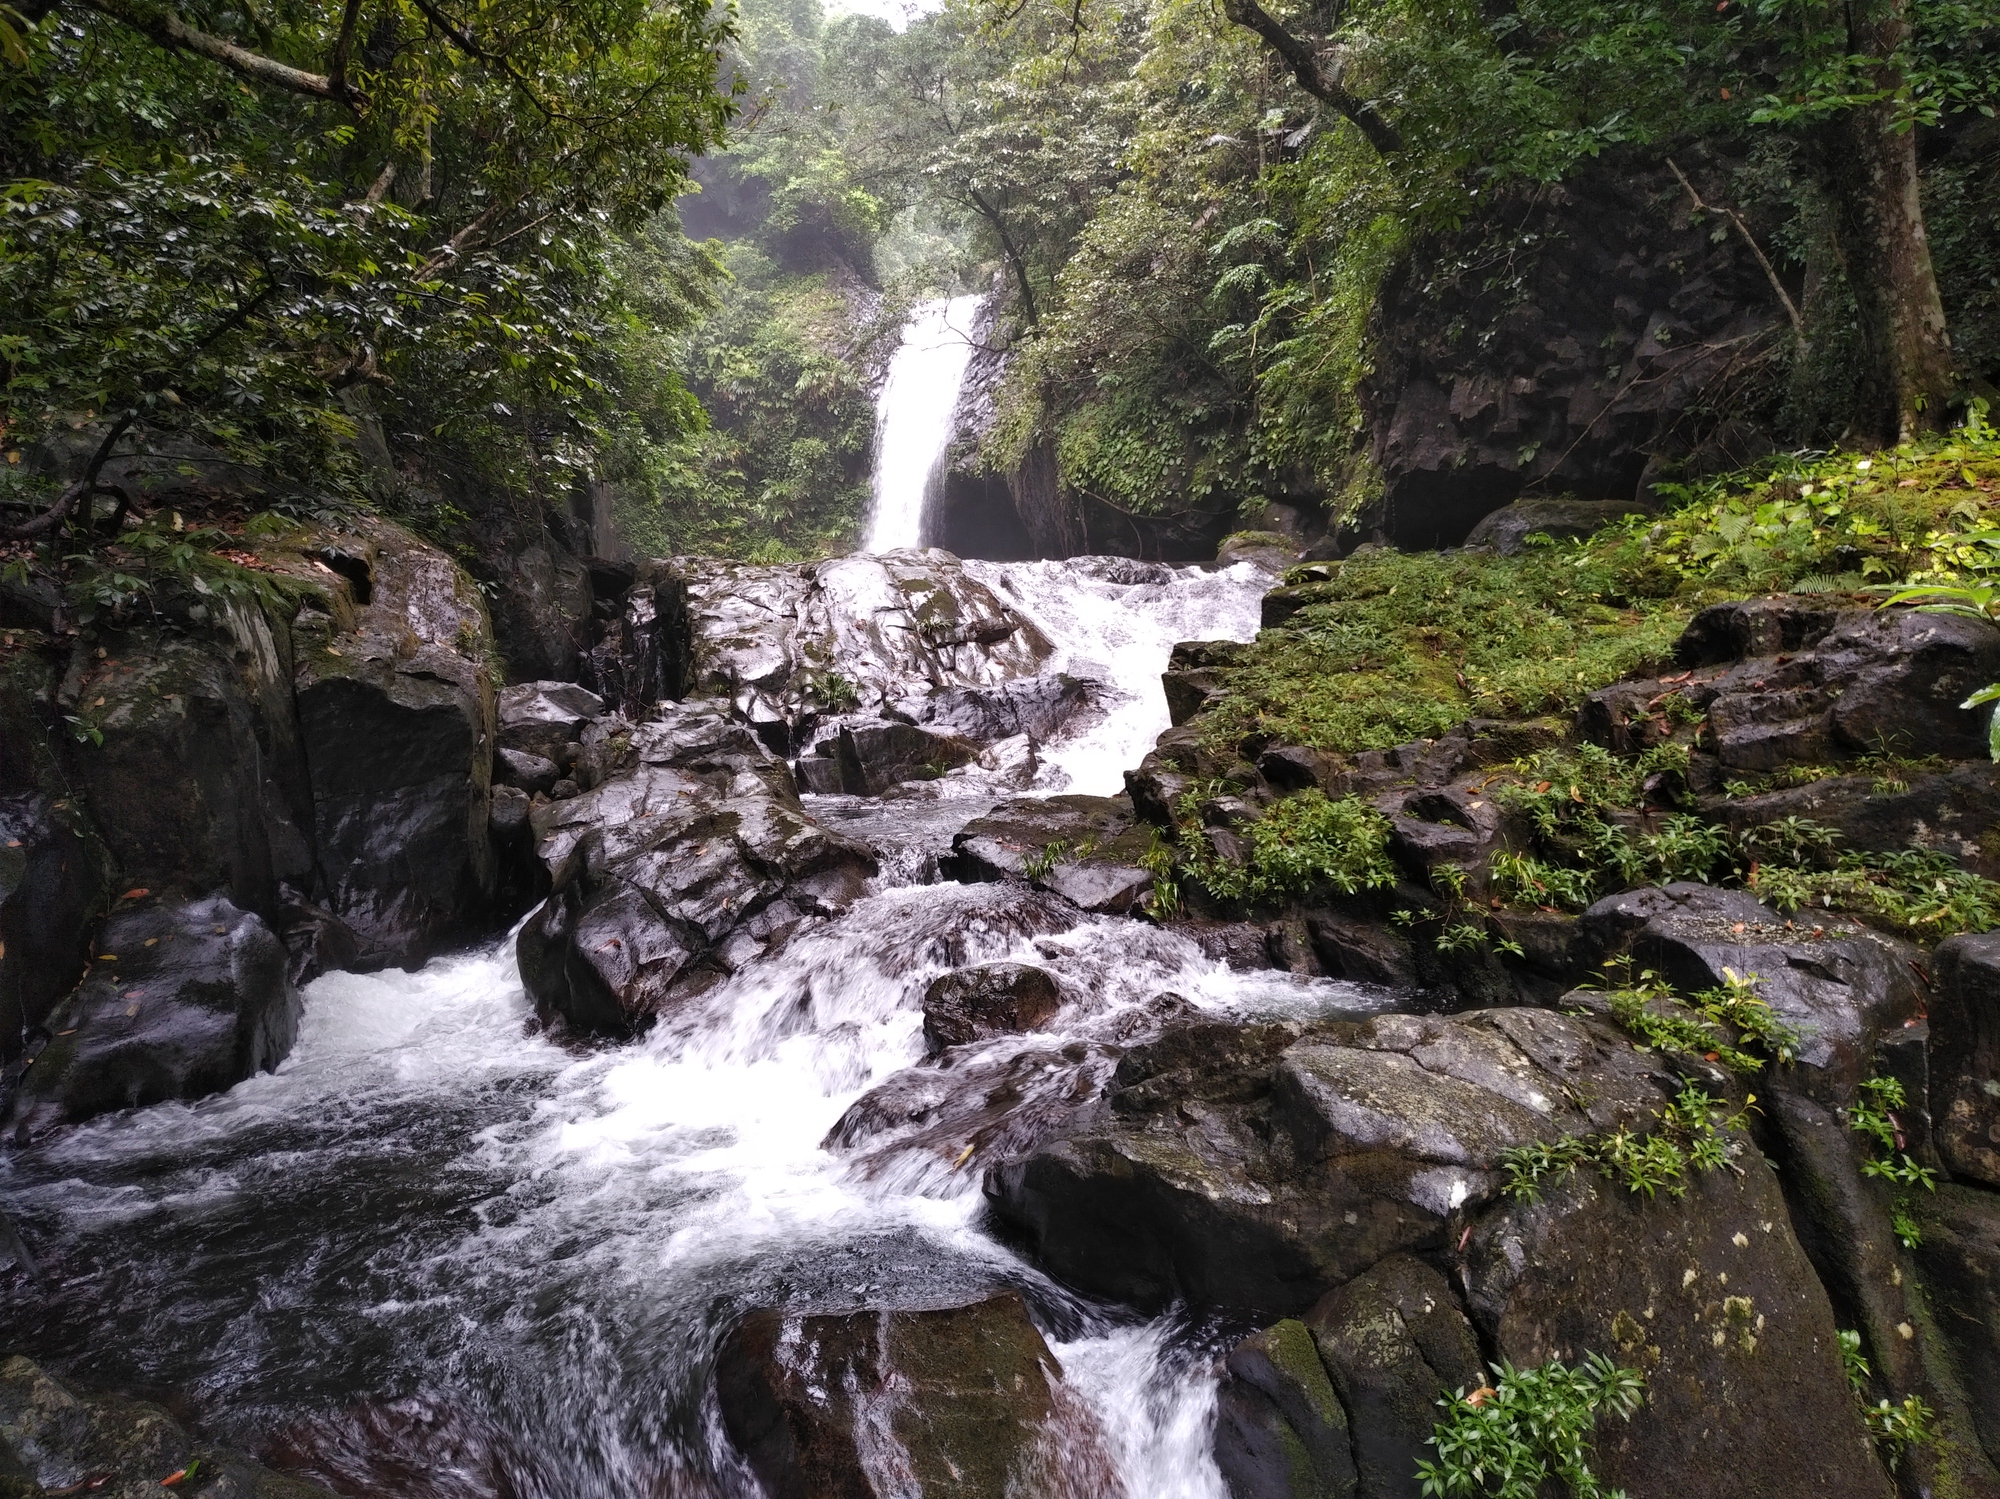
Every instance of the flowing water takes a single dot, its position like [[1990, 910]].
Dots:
[[437, 1253], [913, 425]]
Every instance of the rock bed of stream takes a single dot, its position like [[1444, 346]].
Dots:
[[442, 1251]]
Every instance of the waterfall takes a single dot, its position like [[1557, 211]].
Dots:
[[913, 421]]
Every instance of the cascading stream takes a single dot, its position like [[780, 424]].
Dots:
[[439, 1253], [913, 418]]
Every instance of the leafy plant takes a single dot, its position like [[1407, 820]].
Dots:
[[1897, 1428], [1687, 1136], [1873, 1117], [1300, 844], [1530, 1426]]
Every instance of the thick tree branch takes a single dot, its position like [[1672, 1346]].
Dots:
[[343, 51], [992, 216], [456, 245], [379, 188], [1791, 310], [168, 30], [1314, 78]]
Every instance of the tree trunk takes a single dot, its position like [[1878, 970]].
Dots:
[[1870, 168]]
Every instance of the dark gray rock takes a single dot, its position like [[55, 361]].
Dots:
[[976, 1004], [1711, 1298], [1280, 1430], [1395, 1343], [1507, 530], [181, 1000], [57, 1440], [396, 721], [1965, 1055], [1841, 1218], [1844, 987], [49, 896], [693, 858], [1086, 849], [1955, 812], [537, 718], [1257, 1168], [1959, 1260], [518, 768], [966, 1401], [875, 757], [1196, 672]]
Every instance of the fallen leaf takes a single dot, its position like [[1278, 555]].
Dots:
[[98, 704], [331, 651], [135, 894], [13, 843], [135, 993], [70, 1032], [107, 957], [151, 940], [1481, 1395], [131, 1010], [963, 1156]]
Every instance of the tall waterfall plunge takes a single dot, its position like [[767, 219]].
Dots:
[[913, 421]]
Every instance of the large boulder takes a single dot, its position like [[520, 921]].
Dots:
[[995, 999], [54, 1440], [396, 720], [181, 1000], [49, 896], [1958, 1256], [1709, 1296], [1843, 987], [1256, 1168], [1793, 682], [691, 858], [789, 645], [966, 1402], [1395, 1343], [192, 755], [1087, 849], [1280, 1429]]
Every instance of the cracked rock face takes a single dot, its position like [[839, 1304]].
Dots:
[[690, 859], [1257, 1168]]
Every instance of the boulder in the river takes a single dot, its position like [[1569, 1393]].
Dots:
[[995, 999], [1257, 1167], [1087, 849], [396, 720], [1280, 1429], [690, 860], [181, 1000], [55, 1440], [965, 1401]]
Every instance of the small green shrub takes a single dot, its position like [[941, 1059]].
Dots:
[[1719, 1023], [1873, 1117], [1687, 1137], [1898, 1428], [1530, 1426], [1301, 845]]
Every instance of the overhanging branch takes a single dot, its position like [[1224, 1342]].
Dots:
[[1313, 76], [170, 31]]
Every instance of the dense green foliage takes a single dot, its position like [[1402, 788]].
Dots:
[[1528, 1429], [209, 241]]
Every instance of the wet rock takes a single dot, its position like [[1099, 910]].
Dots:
[[1038, 706], [1507, 530], [998, 999], [1955, 812], [1965, 1055], [1280, 1430], [531, 773], [1843, 987], [787, 645], [1086, 849], [1256, 1168], [1395, 1343], [1358, 945], [693, 858], [875, 757], [1711, 1298], [1866, 682], [198, 756], [962, 1401], [1273, 551], [1195, 673], [56, 1440], [396, 719], [181, 1000], [49, 896], [538, 718]]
